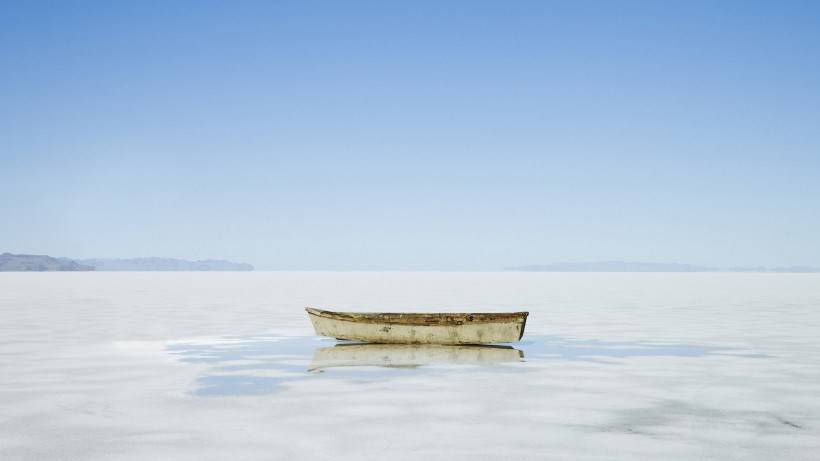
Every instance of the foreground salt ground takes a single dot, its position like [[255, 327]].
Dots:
[[222, 366]]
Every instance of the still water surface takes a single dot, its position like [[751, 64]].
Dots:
[[260, 364], [128, 366]]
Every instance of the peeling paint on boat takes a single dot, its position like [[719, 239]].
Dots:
[[420, 328]]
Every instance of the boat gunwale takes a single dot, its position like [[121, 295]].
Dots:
[[423, 318]]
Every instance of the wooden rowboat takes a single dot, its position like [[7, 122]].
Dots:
[[420, 328]]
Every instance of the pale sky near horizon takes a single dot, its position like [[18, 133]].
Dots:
[[412, 135]]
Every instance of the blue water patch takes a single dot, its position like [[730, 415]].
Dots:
[[545, 347], [262, 364]]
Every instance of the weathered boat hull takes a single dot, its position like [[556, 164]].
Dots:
[[412, 328], [410, 355]]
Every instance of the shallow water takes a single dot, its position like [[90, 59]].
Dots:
[[261, 364], [224, 365]]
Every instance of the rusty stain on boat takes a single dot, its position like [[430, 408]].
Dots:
[[420, 328]]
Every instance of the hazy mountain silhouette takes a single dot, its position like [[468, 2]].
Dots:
[[42, 263], [39, 263], [625, 266], [165, 264]]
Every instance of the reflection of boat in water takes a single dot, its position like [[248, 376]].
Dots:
[[410, 355], [420, 328]]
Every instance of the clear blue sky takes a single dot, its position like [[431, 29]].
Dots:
[[412, 135]]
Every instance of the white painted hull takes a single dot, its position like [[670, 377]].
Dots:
[[368, 328]]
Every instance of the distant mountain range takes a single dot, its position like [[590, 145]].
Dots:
[[164, 264], [625, 266], [41, 263]]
